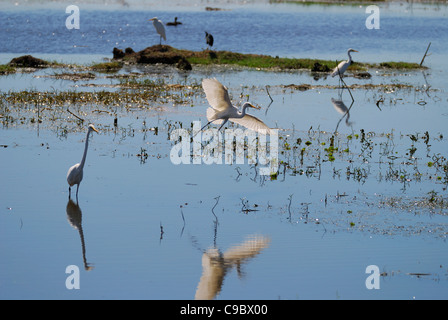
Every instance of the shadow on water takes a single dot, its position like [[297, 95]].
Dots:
[[216, 265], [74, 217]]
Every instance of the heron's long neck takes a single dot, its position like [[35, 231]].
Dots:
[[81, 165]]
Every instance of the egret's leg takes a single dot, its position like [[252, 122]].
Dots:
[[203, 127], [69, 192], [206, 125], [225, 121], [77, 188]]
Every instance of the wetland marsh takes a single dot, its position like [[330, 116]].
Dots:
[[362, 172]]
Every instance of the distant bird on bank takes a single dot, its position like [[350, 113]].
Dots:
[[222, 109], [175, 23], [158, 24], [343, 65], [75, 173], [209, 39]]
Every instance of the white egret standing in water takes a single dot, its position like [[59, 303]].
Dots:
[[343, 65], [222, 109], [158, 24], [75, 173]]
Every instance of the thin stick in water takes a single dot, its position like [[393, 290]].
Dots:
[[423, 59]]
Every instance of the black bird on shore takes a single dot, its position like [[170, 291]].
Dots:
[[209, 39]]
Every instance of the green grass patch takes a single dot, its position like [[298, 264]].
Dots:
[[107, 67], [7, 69], [269, 62], [400, 65]]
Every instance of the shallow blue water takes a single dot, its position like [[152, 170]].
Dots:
[[286, 31]]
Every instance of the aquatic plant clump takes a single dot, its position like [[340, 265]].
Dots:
[[364, 156]]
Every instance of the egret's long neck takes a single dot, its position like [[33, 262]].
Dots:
[[81, 165], [243, 109], [349, 57]]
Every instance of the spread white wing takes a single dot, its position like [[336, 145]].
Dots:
[[217, 95], [252, 123]]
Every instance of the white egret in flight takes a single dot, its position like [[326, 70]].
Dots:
[[343, 65], [75, 173], [222, 109], [158, 24]]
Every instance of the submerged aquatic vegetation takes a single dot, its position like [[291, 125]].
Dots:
[[362, 156]]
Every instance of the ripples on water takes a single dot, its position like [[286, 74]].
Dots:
[[283, 30]]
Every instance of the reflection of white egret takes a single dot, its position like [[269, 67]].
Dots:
[[340, 107], [343, 65], [222, 109], [215, 265], [159, 28], [74, 217], [75, 173]]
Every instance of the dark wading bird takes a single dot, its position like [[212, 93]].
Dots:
[[222, 109], [75, 173], [158, 24], [209, 39], [175, 23]]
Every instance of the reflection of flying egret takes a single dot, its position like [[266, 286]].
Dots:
[[222, 109], [159, 28], [215, 265], [74, 217], [209, 39], [343, 65], [75, 173], [175, 23]]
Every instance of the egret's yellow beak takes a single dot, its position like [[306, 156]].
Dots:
[[355, 51], [252, 106], [94, 129]]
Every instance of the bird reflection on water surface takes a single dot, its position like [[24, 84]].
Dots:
[[216, 265], [74, 217]]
